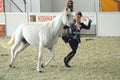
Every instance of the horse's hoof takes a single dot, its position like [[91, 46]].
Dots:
[[13, 66], [10, 65], [42, 66], [40, 71]]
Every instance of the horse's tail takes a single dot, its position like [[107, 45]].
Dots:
[[8, 44]]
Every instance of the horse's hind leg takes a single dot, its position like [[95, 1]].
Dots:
[[21, 48], [12, 55], [17, 41], [52, 56]]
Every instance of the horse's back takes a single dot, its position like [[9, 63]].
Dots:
[[31, 31]]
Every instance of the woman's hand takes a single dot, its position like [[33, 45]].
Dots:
[[90, 21]]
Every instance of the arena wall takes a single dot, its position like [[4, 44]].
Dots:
[[104, 23]]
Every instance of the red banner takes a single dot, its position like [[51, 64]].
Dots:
[[1, 6]]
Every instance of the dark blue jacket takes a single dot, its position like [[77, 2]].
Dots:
[[75, 35], [76, 32]]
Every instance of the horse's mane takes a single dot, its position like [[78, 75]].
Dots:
[[58, 17], [57, 20]]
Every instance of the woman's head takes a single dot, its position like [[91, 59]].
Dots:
[[78, 13], [78, 16]]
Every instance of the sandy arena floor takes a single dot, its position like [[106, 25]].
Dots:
[[97, 58]]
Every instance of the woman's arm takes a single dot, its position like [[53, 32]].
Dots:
[[86, 26]]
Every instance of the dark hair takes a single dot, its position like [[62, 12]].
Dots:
[[70, 7], [79, 13]]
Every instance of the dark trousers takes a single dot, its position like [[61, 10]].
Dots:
[[74, 45]]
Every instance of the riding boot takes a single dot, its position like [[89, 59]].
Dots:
[[68, 58]]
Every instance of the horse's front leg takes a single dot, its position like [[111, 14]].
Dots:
[[39, 57], [51, 58]]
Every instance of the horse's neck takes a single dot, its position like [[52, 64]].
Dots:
[[57, 24]]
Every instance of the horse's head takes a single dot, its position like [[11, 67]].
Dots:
[[67, 18]]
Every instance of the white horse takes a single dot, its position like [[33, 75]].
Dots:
[[43, 34]]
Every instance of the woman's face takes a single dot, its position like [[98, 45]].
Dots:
[[77, 18]]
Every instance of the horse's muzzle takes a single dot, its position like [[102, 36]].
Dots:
[[72, 25]]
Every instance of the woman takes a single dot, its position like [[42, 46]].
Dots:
[[74, 38]]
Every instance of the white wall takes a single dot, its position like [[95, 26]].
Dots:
[[7, 5], [79, 5], [46, 5], [108, 24], [58, 5], [10, 7], [2, 19], [53, 5], [13, 20], [84, 5], [31, 6], [20, 3], [35, 5]]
